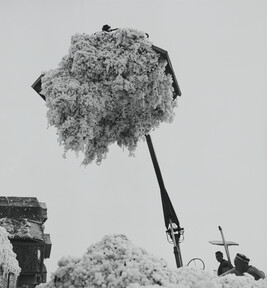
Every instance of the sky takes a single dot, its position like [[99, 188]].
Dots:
[[213, 156]]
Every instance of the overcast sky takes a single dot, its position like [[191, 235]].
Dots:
[[213, 156]]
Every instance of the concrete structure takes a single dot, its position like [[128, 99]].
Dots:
[[23, 218]]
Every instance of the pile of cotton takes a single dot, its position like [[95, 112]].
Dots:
[[116, 262], [8, 261], [16, 228]]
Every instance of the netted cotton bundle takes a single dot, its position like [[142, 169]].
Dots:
[[112, 87]]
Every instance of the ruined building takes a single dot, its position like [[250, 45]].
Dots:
[[23, 218]]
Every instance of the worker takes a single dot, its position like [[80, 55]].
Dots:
[[224, 264]]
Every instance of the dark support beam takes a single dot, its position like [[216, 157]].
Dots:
[[155, 162], [170, 217]]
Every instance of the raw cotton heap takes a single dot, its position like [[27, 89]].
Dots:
[[116, 262], [112, 87], [16, 228], [8, 261]]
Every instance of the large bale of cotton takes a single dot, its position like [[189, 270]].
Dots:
[[116, 262], [9, 267], [112, 87]]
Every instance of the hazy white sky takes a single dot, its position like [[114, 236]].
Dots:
[[213, 156]]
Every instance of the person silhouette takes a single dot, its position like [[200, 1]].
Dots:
[[224, 264], [107, 28]]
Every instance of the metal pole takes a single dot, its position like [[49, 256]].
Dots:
[[225, 245], [176, 247], [175, 237], [155, 162], [8, 279]]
